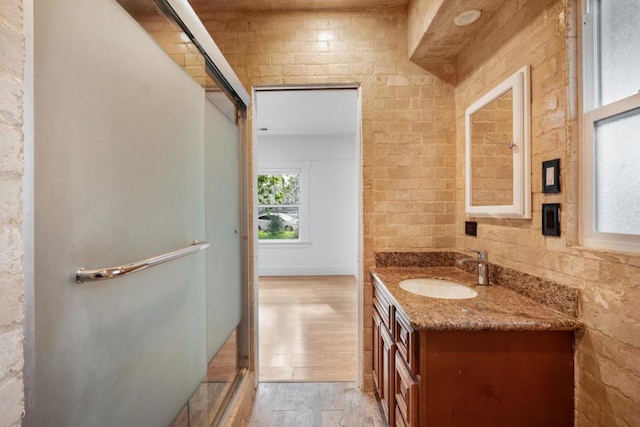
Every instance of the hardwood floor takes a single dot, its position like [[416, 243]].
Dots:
[[308, 328], [307, 349], [313, 405]]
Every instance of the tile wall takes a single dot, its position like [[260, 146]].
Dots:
[[543, 34]]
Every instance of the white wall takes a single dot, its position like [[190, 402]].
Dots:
[[333, 225]]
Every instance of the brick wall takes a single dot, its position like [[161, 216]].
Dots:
[[542, 34], [12, 51], [413, 173], [407, 114], [419, 13]]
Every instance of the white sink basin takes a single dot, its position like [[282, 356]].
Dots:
[[436, 288]]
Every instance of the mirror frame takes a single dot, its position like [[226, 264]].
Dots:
[[521, 205]]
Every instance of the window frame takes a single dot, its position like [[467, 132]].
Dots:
[[592, 113], [290, 168]]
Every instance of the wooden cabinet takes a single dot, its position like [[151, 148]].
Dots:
[[496, 378], [384, 350], [470, 378]]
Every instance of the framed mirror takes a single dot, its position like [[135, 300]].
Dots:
[[497, 151]]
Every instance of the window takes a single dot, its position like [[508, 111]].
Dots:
[[279, 204], [611, 175]]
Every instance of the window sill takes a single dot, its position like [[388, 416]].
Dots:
[[608, 253], [283, 244]]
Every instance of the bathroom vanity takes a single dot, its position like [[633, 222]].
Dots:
[[498, 359]]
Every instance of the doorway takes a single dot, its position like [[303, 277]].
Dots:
[[307, 205]]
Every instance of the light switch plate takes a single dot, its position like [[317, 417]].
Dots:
[[471, 228]]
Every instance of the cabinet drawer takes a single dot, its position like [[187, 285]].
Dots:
[[406, 342], [406, 393], [384, 307]]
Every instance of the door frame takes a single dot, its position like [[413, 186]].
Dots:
[[360, 212]]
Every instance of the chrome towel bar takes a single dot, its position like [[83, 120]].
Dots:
[[83, 275]]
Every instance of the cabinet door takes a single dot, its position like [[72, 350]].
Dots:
[[377, 350], [388, 373]]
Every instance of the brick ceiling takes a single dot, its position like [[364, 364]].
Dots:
[[259, 5]]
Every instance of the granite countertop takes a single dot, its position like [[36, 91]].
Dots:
[[495, 307]]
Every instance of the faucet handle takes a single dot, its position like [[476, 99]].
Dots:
[[482, 255]]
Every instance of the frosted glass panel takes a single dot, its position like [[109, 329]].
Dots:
[[170, 38], [619, 49], [224, 291], [617, 150], [119, 177]]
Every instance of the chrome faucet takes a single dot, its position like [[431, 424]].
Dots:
[[483, 266]]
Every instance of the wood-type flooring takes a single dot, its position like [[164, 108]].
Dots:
[[307, 328], [313, 405]]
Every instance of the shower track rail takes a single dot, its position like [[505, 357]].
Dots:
[[83, 275]]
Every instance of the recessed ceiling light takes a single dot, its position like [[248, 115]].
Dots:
[[467, 17]]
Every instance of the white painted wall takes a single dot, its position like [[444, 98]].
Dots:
[[332, 246]]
